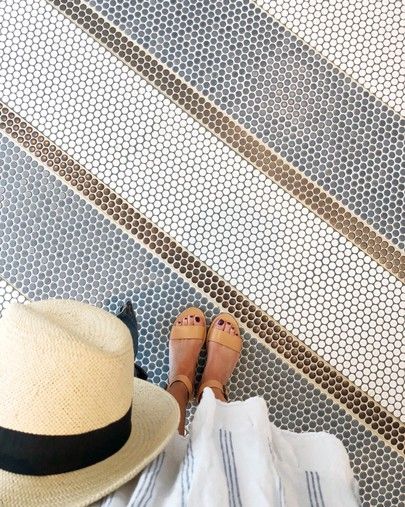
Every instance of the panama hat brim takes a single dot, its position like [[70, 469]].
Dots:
[[155, 417]]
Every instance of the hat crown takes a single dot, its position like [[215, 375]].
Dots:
[[66, 368]]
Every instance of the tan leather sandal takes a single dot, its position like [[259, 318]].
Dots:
[[233, 342], [188, 333]]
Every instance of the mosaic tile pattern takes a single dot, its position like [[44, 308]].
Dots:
[[261, 240], [364, 38], [250, 148], [8, 294], [57, 245], [282, 91], [286, 345]]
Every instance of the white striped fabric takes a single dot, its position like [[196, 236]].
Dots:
[[235, 457]]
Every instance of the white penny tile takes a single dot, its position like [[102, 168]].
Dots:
[[288, 261]]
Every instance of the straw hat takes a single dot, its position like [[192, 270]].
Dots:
[[68, 400]]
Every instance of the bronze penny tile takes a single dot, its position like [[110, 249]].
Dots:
[[317, 106], [237, 137], [294, 229], [293, 351]]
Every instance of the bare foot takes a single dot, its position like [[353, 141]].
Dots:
[[221, 360]]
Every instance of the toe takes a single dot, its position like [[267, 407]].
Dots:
[[227, 328], [185, 321], [232, 331], [197, 320], [220, 324]]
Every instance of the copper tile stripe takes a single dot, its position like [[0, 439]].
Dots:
[[235, 136], [320, 373]]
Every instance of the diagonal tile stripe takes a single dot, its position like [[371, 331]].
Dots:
[[297, 354], [71, 256], [367, 41], [259, 239], [237, 137], [282, 91]]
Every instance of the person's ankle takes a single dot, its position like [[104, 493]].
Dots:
[[179, 391], [219, 395]]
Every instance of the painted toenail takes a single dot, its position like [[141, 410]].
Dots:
[[197, 319], [220, 322]]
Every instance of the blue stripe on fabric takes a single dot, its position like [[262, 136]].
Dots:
[[142, 483], [107, 501], [281, 492], [184, 475], [232, 480], [225, 462], [153, 481], [144, 488], [314, 487], [182, 485], [309, 489], [190, 465], [318, 480], [272, 451], [233, 462]]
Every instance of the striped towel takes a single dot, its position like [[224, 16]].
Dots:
[[235, 457]]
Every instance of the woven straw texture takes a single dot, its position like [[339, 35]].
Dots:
[[67, 368]]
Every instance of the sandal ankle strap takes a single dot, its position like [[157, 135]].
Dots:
[[213, 384], [184, 380]]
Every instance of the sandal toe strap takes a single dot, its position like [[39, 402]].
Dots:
[[188, 333], [232, 342]]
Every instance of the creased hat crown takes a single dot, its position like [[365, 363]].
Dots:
[[66, 368]]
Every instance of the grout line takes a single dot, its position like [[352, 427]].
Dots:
[[235, 136], [273, 335]]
